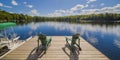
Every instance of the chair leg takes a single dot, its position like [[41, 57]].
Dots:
[[37, 49], [72, 48], [79, 47], [45, 51]]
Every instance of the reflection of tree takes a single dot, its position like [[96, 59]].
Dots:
[[74, 54]]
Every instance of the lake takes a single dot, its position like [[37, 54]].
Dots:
[[104, 37]]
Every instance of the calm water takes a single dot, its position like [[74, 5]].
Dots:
[[105, 38]]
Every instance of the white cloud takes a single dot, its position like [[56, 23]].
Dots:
[[89, 11], [102, 4], [14, 2], [1, 4], [30, 6], [89, 1], [117, 6], [79, 9], [92, 6], [86, 5], [114, 9], [71, 11], [7, 6], [25, 3], [57, 13], [34, 12], [76, 8]]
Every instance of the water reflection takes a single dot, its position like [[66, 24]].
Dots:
[[91, 38], [117, 43], [104, 37], [81, 28], [64, 26], [34, 26], [30, 32]]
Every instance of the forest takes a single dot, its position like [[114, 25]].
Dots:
[[23, 18]]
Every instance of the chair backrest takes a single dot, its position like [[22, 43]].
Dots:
[[42, 38], [74, 38]]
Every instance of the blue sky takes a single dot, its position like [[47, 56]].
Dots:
[[60, 7]]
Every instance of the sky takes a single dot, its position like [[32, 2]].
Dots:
[[54, 8]]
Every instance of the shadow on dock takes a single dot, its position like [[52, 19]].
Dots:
[[35, 55], [72, 54]]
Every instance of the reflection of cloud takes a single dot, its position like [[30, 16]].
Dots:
[[77, 28], [64, 26], [82, 28], [30, 32], [34, 26], [117, 43], [91, 38]]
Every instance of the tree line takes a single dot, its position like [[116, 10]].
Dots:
[[14, 17], [22, 18]]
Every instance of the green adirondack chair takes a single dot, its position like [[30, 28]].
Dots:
[[45, 42], [72, 42]]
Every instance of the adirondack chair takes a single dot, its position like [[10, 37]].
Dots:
[[45, 42], [72, 42]]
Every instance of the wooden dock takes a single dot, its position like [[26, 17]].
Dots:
[[56, 51]]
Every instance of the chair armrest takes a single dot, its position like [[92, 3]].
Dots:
[[68, 39], [3, 45], [48, 41], [79, 38]]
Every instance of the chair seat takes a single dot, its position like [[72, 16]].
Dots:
[[69, 42], [45, 42], [72, 42]]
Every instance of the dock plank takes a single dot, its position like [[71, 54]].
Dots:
[[55, 51]]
